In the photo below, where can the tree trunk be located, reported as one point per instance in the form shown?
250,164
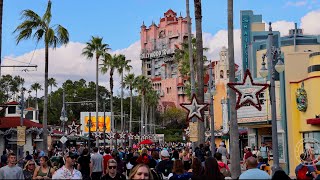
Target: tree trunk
50,94
142,114
200,73
130,124
234,132
111,103
154,119
37,107
122,102
146,119
150,120
97,99
45,104
1,12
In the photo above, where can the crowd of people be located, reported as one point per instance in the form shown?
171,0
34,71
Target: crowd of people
157,162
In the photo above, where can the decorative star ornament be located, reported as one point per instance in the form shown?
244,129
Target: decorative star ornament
248,91
131,136
122,135
194,108
97,135
112,135
73,128
137,137
207,134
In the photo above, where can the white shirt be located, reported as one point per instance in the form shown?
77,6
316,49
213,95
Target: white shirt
64,173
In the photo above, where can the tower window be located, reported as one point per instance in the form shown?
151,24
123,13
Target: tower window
221,74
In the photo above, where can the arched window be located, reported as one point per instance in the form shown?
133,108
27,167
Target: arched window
221,74
227,73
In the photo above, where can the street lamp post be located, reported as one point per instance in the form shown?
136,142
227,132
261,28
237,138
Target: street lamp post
89,125
63,119
211,92
104,121
273,54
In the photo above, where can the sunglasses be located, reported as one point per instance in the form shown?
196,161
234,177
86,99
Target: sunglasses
31,164
112,167
72,157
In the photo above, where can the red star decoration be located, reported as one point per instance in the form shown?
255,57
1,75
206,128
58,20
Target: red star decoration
194,108
248,91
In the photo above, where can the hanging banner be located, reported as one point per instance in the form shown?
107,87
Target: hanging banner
21,135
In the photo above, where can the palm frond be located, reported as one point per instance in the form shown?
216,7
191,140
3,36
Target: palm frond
24,34
62,34
38,35
47,15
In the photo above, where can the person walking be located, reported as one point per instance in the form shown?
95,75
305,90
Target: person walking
96,164
224,153
68,171
264,152
11,171
84,164
111,170
44,171
29,169
253,172
164,167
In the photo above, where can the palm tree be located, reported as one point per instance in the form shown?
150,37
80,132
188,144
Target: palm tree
36,87
110,63
234,132
200,74
1,12
152,98
123,65
143,84
52,82
130,83
52,36
95,47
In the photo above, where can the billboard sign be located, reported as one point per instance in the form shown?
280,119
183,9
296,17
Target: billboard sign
84,118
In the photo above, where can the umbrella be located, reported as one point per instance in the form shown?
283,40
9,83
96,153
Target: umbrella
147,141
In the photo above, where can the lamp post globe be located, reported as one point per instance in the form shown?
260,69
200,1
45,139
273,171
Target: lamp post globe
279,66
263,71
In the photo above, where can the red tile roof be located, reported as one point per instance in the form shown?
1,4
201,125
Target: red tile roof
12,103
179,84
12,122
170,11
156,79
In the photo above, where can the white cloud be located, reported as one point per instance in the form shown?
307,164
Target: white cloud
66,63
282,26
220,39
309,23
297,3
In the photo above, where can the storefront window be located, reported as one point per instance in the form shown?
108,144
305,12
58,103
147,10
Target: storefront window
311,140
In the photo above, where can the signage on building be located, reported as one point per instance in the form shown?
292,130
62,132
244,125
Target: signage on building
156,54
84,118
245,38
21,133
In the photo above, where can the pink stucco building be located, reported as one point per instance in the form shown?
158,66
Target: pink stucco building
158,43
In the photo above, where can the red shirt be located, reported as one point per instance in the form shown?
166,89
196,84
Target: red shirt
248,154
223,165
106,158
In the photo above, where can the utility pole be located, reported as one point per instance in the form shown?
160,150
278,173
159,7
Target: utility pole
234,131
20,147
211,91
192,80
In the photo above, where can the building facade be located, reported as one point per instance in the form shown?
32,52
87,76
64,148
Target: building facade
295,48
158,44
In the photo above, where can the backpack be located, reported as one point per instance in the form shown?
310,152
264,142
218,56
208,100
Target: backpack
303,173
224,170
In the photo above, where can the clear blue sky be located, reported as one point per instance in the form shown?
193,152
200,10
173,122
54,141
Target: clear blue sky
119,21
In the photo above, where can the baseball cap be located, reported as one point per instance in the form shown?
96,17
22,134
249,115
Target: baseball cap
164,153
